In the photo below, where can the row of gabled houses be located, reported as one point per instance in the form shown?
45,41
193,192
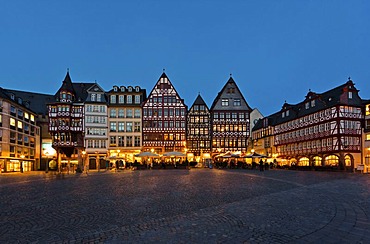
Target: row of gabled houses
82,124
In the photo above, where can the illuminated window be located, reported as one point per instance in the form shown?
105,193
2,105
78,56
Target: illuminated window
347,160
332,160
317,161
20,125
32,118
368,109
304,162
26,116
12,122
368,137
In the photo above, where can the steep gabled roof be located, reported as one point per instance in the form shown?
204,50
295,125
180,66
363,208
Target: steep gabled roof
223,92
167,86
199,101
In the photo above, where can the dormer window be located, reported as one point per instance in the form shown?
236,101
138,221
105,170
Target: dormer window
93,96
313,103
115,88
123,89
19,100
98,97
130,89
137,89
307,105
287,113
350,95
12,96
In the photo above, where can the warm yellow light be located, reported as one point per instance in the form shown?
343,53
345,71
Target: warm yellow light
83,152
152,150
22,156
252,150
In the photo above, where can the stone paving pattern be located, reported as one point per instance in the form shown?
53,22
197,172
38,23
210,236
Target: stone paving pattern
185,206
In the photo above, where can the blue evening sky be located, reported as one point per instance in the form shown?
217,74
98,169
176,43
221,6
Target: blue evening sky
275,50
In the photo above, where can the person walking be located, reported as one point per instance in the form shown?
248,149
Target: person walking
261,165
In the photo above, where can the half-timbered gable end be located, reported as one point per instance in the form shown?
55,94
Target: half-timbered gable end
230,115
199,129
164,118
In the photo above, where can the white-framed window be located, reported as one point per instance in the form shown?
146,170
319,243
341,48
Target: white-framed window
113,113
129,99
113,99
350,95
137,99
224,102
98,97
93,96
237,102
121,99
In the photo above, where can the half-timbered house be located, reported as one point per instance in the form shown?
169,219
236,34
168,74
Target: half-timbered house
66,123
322,130
164,119
230,115
198,134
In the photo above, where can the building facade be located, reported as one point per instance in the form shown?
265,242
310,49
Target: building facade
96,126
164,119
324,130
366,137
198,134
66,125
230,114
125,122
19,134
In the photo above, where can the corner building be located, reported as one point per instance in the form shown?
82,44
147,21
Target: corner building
324,130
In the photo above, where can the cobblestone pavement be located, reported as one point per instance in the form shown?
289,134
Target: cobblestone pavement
185,206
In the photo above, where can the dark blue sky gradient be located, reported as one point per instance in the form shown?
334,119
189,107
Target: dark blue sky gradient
275,50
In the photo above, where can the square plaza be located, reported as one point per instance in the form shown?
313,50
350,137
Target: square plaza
185,206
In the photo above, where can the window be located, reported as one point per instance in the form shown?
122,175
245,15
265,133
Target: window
129,99
20,125
12,122
113,126
121,99
137,113
113,113
137,141
113,99
237,102
350,95
129,113
93,96
313,103
129,126
367,109
307,105
224,102
137,127
121,126
121,113
120,141
137,99
128,141
98,97
112,140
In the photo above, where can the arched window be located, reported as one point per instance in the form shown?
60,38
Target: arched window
347,160
332,160
304,162
317,161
